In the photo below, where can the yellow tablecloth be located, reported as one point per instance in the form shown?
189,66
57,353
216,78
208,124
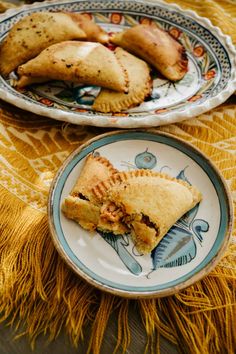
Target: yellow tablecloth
34,281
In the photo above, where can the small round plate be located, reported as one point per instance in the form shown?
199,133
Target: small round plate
190,249
210,80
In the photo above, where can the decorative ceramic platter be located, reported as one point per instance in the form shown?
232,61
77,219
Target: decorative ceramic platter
190,249
210,80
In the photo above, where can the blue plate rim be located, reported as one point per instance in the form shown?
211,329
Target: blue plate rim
67,254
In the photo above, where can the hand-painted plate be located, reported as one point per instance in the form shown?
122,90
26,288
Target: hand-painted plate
190,249
210,80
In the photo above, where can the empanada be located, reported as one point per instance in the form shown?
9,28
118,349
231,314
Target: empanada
139,85
144,203
37,31
156,47
82,205
82,62
148,203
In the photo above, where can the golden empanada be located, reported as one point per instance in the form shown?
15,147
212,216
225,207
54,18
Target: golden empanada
143,203
83,62
147,202
139,85
155,46
82,205
35,32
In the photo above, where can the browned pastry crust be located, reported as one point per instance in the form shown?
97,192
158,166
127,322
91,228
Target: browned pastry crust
155,46
144,203
147,202
84,212
95,170
81,205
84,62
35,32
139,85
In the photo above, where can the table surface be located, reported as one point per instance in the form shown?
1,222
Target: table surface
62,345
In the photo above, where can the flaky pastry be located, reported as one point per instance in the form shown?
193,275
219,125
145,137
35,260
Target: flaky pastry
139,85
82,205
147,202
83,62
35,32
143,203
156,47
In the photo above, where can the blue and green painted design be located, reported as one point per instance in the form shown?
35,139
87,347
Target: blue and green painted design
167,254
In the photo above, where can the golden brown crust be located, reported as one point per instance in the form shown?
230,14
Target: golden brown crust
139,88
82,211
84,62
81,205
100,190
32,34
95,169
156,47
149,203
144,203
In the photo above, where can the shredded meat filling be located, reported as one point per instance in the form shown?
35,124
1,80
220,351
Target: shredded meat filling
111,212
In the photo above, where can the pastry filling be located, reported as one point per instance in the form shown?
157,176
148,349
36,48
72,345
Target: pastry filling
111,212
142,228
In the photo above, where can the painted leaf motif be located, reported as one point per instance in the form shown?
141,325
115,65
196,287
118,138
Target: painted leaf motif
118,243
175,249
178,247
182,176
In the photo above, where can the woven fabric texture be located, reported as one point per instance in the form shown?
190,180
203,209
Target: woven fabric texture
35,282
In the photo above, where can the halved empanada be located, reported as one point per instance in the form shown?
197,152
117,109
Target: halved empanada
155,46
83,62
82,205
139,85
147,202
35,32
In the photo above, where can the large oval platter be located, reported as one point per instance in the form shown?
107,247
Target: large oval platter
210,80
190,249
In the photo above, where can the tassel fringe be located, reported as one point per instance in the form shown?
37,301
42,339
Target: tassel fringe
41,295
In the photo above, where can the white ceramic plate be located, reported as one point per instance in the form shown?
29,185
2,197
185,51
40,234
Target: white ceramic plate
210,80
191,248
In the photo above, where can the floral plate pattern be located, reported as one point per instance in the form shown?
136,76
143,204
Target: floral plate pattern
190,249
210,80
